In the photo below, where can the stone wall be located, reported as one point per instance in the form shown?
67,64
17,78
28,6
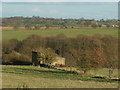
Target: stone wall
59,61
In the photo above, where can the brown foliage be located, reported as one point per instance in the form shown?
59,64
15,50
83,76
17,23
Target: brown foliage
88,51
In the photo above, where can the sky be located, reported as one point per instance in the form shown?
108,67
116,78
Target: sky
88,10
59,0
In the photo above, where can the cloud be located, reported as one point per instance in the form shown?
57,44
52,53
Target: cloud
36,9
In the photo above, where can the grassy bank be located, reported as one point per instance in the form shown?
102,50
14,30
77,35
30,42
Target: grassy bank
38,77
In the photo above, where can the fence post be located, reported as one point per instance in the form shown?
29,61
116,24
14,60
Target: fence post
110,73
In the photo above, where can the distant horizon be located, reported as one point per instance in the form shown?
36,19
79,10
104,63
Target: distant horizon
64,10
58,18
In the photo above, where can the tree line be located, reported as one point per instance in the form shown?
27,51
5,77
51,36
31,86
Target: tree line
83,52
41,21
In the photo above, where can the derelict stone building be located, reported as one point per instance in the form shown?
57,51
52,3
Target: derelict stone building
36,61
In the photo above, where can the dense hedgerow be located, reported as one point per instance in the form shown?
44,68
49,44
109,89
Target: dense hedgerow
88,51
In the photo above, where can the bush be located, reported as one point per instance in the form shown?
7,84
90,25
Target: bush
5,58
16,58
16,27
9,46
93,25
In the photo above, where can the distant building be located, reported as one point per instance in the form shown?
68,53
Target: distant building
115,26
57,61
34,58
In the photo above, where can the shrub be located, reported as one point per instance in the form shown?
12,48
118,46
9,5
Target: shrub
9,46
16,58
28,27
93,25
48,26
31,42
36,27
5,58
16,27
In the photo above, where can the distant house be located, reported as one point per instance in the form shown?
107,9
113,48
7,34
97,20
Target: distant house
115,26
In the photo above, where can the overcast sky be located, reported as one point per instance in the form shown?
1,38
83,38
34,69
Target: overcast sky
89,10
60,0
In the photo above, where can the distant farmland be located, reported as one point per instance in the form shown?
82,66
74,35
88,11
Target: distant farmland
22,34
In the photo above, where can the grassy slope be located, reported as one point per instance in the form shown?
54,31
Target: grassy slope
22,34
34,77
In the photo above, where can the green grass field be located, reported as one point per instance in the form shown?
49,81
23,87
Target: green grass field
101,72
22,34
38,77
